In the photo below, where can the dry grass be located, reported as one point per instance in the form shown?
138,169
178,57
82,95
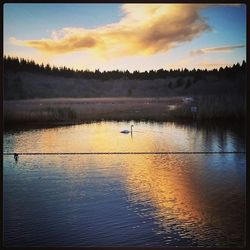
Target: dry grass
75,110
214,107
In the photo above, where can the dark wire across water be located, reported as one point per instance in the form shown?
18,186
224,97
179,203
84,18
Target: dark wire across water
128,153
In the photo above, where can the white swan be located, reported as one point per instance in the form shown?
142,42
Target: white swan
127,131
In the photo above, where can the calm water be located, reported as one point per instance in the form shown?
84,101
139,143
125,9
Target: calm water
124,200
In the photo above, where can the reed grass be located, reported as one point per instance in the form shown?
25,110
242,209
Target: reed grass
209,108
50,114
213,107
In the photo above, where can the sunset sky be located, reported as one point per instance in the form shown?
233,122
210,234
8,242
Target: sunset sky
127,36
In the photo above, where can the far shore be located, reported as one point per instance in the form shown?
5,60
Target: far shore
71,111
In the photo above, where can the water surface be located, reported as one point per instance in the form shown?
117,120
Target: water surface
125,200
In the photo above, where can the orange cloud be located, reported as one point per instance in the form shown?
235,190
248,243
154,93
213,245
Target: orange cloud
144,29
215,49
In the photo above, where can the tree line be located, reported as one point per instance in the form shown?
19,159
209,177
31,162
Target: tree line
15,64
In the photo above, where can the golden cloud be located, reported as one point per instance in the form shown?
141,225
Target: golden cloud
144,29
215,49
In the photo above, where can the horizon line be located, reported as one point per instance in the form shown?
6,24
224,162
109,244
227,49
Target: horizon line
102,71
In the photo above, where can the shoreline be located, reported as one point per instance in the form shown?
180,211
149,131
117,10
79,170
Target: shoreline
215,123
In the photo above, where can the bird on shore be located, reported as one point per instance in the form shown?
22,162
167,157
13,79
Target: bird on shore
16,157
127,131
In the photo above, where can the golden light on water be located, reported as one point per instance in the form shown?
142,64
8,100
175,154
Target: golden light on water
96,138
163,181
178,193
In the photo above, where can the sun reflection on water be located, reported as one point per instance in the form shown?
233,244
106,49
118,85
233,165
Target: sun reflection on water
188,195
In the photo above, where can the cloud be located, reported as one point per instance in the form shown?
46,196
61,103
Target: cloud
215,50
144,29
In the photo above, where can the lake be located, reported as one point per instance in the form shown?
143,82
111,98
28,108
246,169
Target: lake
125,200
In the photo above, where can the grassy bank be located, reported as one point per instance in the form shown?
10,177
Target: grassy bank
213,107
78,110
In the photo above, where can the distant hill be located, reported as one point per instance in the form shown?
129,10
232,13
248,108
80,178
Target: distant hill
26,80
